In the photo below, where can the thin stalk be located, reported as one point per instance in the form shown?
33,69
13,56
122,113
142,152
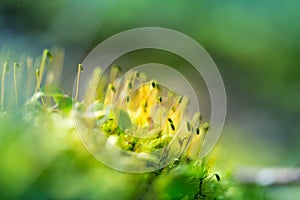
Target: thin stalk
37,76
16,66
30,78
93,84
46,54
79,70
5,66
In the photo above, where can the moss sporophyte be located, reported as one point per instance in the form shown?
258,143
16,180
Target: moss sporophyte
141,115
135,114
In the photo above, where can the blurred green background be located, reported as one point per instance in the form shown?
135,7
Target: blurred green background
255,45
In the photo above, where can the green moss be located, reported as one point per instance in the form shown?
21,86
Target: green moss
42,156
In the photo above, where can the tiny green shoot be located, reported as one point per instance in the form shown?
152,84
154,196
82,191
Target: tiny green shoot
46,54
79,70
4,71
16,66
37,76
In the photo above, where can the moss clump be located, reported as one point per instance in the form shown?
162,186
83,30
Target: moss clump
43,158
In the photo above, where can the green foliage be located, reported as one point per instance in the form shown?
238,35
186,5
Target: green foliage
190,181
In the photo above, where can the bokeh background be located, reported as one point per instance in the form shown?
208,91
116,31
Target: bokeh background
255,45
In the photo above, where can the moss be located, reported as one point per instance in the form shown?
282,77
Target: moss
43,158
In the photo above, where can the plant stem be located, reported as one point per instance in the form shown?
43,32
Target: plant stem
5,65
80,69
37,75
15,81
29,82
46,54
